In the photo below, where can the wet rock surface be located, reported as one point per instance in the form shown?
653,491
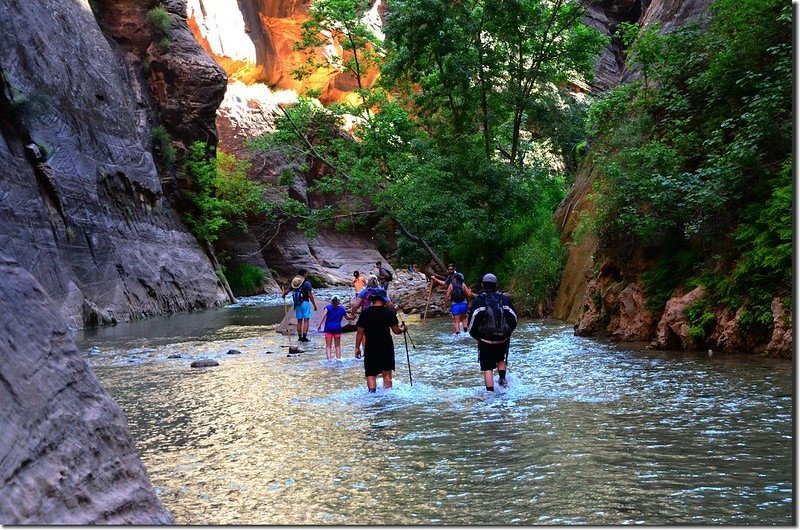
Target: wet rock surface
67,454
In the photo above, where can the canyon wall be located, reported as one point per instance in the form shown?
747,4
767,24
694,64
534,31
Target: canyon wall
82,207
602,296
66,454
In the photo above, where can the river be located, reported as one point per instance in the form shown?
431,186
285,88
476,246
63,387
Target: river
588,431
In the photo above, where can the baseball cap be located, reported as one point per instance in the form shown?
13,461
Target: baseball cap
489,278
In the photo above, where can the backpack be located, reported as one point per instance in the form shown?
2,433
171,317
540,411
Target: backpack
458,295
365,303
494,325
297,296
385,274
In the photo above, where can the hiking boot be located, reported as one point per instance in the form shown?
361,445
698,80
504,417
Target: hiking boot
503,383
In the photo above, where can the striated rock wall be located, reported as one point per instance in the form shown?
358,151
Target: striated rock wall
66,455
81,202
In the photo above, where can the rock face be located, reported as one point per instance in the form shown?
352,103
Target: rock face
82,204
67,455
253,40
607,15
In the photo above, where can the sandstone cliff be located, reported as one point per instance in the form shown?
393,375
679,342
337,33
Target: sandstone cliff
82,206
66,455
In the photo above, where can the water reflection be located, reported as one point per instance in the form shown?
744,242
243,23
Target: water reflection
587,432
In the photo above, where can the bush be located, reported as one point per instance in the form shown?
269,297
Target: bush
159,22
245,279
162,145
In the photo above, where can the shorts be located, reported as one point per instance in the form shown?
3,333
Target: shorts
459,308
491,354
303,310
375,363
332,335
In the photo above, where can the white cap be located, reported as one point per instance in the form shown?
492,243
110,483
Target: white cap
489,278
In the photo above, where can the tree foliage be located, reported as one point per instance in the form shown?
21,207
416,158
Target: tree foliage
696,154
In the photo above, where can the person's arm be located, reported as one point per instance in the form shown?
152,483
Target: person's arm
468,292
313,299
448,294
359,341
436,281
399,328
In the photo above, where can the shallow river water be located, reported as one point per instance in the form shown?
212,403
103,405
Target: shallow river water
588,432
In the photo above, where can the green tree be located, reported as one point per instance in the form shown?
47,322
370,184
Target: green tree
694,157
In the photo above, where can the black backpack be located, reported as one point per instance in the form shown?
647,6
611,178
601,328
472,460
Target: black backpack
458,295
385,274
494,325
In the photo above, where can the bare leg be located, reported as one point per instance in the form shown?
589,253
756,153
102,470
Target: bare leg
328,340
387,379
456,320
488,378
372,383
337,341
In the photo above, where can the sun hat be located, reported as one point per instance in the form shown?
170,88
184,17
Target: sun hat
379,294
297,281
489,278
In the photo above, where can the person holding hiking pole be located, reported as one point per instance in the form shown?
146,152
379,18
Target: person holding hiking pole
492,319
373,331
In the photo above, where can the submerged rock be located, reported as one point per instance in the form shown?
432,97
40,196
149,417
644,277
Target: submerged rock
204,363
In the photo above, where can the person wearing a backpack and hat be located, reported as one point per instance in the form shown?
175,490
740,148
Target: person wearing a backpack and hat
303,299
492,319
374,328
458,295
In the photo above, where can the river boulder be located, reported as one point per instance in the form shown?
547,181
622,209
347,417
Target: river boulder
67,457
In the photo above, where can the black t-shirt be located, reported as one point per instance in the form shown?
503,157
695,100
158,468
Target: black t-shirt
377,322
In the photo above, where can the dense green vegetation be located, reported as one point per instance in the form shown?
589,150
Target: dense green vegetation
451,152
245,278
696,158
452,147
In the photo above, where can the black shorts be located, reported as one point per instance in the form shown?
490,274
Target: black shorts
375,363
491,354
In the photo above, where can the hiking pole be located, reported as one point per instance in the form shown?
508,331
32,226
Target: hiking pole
405,338
401,315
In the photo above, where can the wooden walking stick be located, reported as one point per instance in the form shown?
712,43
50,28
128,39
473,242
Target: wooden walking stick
430,292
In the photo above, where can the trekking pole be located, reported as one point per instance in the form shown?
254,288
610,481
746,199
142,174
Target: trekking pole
405,338
409,335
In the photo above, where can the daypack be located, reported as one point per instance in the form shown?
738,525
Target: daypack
494,325
297,296
458,295
365,303
385,274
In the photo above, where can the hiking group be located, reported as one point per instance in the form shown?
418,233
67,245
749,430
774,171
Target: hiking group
490,319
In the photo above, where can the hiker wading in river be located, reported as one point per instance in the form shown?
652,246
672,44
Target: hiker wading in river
302,299
492,319
373,330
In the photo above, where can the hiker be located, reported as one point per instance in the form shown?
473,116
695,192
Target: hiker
492,319
451,271
373,331
361,300
359,283
458,295
303,299
332,318
384,275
